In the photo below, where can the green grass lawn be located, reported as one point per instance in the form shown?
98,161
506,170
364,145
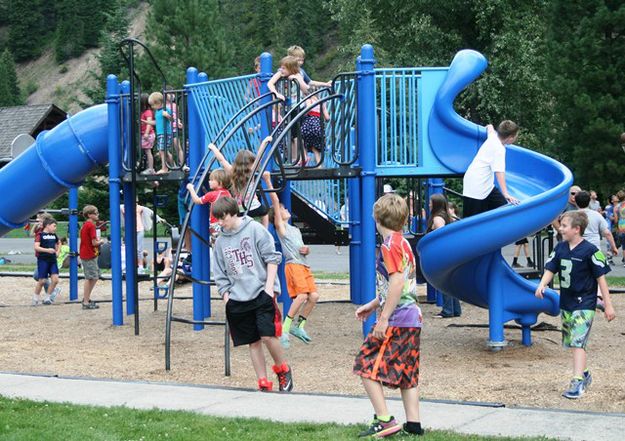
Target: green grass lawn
28,420
62,227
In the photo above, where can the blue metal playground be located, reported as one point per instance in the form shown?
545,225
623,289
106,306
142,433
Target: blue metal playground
390,122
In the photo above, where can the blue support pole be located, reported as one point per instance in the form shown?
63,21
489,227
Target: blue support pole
367,154
355,231
205,228
195,162
130,220
73,243
433,186
266,72
114,152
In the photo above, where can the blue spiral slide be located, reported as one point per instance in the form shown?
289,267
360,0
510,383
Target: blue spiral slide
58,160
464,259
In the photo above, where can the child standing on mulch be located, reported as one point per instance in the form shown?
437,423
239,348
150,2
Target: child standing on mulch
299,279
89,249
46,248
580,266
246,264
390,354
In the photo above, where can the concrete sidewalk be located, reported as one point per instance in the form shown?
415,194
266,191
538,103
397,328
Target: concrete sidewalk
208,400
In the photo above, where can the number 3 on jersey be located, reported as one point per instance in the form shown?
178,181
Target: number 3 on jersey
566,266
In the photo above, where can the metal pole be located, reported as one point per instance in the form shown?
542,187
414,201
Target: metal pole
114,140
73,243
367,155
204,226
195,159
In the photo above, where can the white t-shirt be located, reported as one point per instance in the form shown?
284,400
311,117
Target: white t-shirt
479,180
596,225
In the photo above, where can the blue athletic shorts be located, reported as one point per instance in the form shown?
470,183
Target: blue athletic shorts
164,142
45,268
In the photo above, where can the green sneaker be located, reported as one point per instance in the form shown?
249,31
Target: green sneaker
284,341
297,332
305,335
379,429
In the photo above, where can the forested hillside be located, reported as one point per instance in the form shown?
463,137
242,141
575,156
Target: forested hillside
556,66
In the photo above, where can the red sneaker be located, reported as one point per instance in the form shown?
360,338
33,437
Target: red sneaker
265,385
285,379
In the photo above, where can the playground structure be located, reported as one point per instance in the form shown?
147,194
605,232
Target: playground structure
385,123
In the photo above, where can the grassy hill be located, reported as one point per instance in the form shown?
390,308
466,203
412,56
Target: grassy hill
45,81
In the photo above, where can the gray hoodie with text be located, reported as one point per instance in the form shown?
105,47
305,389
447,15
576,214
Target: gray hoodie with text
241,257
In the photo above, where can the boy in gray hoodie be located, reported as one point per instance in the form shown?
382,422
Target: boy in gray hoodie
246,264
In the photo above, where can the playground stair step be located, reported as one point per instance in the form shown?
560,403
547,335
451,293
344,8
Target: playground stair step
320,173
173,175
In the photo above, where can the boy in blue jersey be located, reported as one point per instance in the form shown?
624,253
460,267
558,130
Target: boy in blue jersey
580,266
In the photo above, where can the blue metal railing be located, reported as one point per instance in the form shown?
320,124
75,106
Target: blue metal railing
218,101
398,123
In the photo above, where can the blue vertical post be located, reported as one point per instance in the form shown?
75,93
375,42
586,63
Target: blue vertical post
367,155
73,243
434,186
195,160
130,219
205,227
355,233
266,72
114,151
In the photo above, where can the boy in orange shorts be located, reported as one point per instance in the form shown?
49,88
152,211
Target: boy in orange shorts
300,281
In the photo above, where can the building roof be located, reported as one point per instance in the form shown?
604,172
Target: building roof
26,119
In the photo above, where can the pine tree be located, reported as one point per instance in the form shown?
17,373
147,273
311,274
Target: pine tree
587,74
69,39
26,29
13,95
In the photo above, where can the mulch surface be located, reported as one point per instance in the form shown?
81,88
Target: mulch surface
64,340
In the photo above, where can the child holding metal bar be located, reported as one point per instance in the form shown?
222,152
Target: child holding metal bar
299,279
240,173
218,182
164,132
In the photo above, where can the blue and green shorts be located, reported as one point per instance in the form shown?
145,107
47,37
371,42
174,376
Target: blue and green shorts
576,327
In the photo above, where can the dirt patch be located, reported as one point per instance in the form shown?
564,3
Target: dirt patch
65,340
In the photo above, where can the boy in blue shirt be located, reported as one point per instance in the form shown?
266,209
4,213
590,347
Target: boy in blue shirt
46,249
581,267
164,132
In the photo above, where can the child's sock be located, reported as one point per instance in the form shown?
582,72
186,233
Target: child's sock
286,326
384,418
302,322
412,427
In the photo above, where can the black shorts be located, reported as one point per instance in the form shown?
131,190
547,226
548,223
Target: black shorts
259,211
249,321
522,241
472,206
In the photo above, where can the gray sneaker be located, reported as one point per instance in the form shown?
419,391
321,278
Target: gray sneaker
47,301
36,300
90,305
587,379
576,389
55,294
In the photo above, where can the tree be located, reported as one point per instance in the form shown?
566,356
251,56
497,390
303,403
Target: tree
587,75
10,94
27,32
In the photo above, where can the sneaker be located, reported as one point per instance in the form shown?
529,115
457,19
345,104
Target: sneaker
36,300
148,171
297,332
285,378
587,379
90,305
530,264
46,300
441,315
380,429
55,294
412,431
516,265
284,341
575,390
265,385
305,335
610,261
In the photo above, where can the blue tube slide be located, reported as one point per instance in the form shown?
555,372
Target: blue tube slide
58,160
464,259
